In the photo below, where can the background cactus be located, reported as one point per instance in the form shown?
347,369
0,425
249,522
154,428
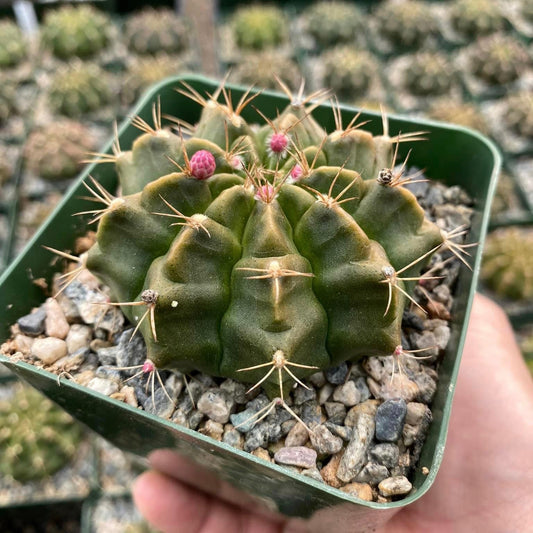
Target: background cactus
144,71
280,255
55,151
79,88
460,113
71,31
473,18
7,101
37,438
507,263
13,46
347,71
428,74
408,23
260,68
156,30
333,23
519,113
258,27
499,59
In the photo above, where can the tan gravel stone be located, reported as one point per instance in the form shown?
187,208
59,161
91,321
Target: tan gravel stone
49,349
362,491
55,324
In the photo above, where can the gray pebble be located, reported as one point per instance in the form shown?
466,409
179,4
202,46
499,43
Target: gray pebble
131,351
302,395
347,394
233,437
395,486
324,442
217,405
386,454
362,387
390,417
427,386
32,324
337,374
344,432
317,379
107,356
354,456
336,412
195,418
299,456
313,473
372,473
257,437
159,403
103,386
235,390
311,414
325,392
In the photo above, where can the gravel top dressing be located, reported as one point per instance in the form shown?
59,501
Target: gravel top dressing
359,427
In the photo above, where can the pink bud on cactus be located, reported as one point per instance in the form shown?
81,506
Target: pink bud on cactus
148,367
202,165
296,172
398,350
265,193
277,144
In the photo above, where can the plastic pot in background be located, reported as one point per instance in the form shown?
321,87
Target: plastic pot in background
454,155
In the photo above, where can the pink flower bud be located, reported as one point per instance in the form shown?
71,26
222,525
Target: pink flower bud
202,165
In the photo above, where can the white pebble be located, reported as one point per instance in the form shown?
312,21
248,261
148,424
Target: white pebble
56,324
49,349
78,337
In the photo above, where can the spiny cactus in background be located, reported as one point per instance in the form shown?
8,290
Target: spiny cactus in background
261,254
56,151
333,23
348,71
406,24
79,88
505,197
13,45
526,9
473,18
460,113
36,437
519,113
144,71
7,101
258,27
151,31
508,262
499,59
428,74
75,31
262,68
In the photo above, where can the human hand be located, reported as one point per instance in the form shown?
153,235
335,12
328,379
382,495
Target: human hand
483,483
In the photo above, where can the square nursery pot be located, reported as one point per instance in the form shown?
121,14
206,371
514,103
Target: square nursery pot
454,155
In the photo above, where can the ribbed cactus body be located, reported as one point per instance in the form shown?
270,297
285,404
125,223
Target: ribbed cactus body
13,45
269,263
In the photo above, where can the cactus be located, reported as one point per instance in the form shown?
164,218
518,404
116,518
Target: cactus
333,23
406,24
145,71
13,46
508,263
499,59
36,437
75,31
6,166
241,251
7,101
259,27
348,71
79,88
527,10
56,151
152,31
474,18
460,113
519,113
428,74
261,69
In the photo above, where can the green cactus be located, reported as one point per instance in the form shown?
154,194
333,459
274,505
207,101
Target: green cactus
258,27
348,71
428,74
13,46
277,253
499,59
79,88
333,23
519,113
56,151
261,69
152,31
407,24
527,10
473,18
144,71
508,262
460,113
75,31
36,437
7,101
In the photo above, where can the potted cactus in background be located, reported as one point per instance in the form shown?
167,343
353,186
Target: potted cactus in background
241,229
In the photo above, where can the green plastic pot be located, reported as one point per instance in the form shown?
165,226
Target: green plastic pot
454,155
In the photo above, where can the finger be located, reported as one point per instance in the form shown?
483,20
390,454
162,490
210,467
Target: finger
172,507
